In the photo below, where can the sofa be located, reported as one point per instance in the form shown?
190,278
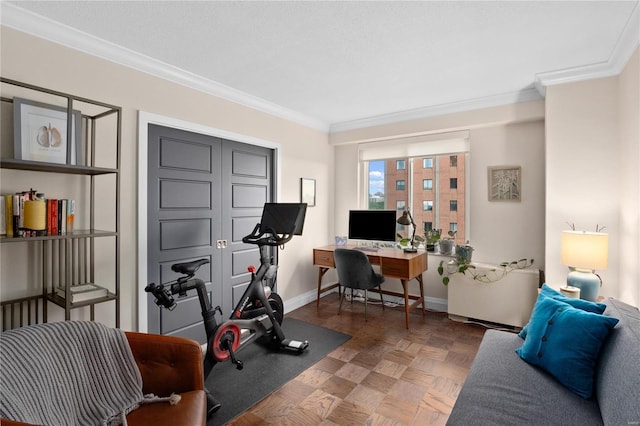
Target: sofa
168,365
504,389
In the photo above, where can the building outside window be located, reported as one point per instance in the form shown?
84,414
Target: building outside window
405,189
453,161
401,165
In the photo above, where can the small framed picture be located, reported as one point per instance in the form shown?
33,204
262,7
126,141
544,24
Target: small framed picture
40,133
308,191
505,183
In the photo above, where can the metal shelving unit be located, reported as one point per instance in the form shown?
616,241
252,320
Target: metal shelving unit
69,259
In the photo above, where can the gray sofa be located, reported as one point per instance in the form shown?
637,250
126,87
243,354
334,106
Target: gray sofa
502,389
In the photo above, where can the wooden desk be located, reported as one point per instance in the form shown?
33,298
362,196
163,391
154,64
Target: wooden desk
394,263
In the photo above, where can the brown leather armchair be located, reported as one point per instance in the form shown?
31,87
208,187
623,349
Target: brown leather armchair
167,364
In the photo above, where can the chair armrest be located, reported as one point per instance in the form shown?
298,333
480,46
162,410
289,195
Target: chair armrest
167,364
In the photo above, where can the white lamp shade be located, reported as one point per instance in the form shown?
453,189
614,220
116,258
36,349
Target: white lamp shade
585,250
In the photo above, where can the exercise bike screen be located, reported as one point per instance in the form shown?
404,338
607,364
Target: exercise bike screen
283,218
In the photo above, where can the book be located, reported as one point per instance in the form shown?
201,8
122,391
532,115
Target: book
71,212
62,218
52,213
3,221
8,213
83,292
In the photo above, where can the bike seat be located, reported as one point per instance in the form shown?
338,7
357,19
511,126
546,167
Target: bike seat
189,268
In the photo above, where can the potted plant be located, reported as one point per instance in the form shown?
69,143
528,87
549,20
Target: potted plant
460,265
432,236
446,245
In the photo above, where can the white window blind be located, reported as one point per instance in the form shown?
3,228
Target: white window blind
415,146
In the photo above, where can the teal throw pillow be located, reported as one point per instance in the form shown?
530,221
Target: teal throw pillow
566,342
585,305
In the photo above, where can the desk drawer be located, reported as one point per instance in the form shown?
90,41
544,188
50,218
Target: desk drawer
323,258
394,267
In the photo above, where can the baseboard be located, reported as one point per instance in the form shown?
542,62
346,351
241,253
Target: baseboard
431,303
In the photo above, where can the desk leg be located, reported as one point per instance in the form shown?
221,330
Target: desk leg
405,287
419,278
321,272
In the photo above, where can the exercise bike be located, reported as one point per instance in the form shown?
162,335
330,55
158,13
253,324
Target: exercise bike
259,312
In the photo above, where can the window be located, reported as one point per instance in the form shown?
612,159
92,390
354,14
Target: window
426,172
400,205
453,227
427,226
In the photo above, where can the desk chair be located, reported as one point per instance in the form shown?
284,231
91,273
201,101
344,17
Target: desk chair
355,272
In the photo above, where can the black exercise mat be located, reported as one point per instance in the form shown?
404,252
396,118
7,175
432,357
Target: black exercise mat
266,370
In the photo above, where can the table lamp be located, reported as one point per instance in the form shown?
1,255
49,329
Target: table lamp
583,253
407,219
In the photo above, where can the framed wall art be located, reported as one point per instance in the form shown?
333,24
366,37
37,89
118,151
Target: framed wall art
505,183
308,191
40,133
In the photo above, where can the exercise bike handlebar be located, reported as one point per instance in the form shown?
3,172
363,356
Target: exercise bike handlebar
266,238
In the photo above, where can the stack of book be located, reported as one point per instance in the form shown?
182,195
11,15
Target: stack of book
83,292
30,214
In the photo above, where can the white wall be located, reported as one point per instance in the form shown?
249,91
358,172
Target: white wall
592,173
305,153
499,231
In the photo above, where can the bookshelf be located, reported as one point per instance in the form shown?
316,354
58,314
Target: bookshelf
91,252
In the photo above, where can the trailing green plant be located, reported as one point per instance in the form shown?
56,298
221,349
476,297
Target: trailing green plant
459,265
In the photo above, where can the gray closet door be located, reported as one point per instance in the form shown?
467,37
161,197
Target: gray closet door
202,190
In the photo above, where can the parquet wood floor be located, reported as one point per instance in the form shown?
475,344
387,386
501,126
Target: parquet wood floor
384,375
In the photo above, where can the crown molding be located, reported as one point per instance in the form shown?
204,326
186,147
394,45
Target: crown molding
622,51
526,95
28,22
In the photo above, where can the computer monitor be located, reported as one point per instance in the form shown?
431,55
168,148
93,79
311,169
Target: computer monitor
372,225
283,218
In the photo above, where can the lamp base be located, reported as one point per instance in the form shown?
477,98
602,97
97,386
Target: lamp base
410,250
587,282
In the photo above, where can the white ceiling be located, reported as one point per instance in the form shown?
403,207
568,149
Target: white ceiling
342,64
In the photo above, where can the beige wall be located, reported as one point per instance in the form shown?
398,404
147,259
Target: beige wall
305,152
592,173
506,135
629,182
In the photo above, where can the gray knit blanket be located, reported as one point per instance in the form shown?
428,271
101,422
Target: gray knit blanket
68,373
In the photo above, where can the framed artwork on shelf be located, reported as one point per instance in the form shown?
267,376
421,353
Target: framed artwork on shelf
505,183
308,191
40,133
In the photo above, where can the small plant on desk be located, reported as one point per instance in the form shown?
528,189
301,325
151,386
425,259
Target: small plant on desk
460,265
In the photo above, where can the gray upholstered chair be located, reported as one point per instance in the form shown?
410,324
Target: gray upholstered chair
355,272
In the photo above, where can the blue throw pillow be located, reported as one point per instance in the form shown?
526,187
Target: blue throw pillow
585,305
566,342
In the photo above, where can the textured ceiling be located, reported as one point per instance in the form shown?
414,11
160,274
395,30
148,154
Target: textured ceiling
342,61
